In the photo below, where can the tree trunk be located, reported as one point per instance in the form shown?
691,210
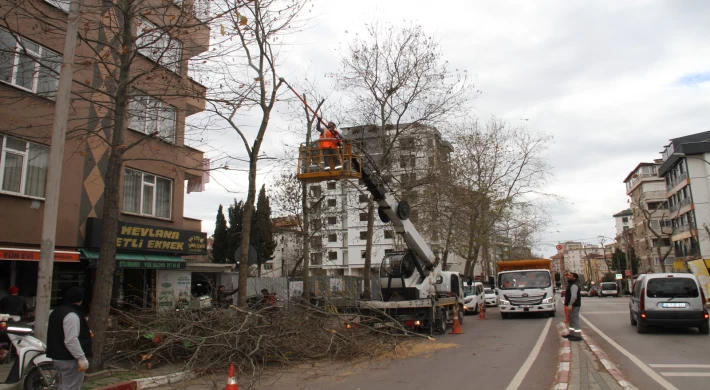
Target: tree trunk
474,261
103,285
485,268
306,242
469,253
447,244
662,259
366,281
246,232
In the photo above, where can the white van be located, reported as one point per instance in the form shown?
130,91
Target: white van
474,296
608,289
668,300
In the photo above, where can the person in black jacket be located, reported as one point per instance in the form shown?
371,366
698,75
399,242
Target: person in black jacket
573,301
14,304
69,340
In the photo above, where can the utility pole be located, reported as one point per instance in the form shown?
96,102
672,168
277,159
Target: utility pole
54,176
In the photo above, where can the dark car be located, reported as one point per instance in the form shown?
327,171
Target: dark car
594,292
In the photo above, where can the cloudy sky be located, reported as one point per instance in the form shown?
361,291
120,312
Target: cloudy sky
611,81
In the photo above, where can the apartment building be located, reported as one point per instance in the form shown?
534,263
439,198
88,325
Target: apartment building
650,217
158,167
685,170
574,255
342,215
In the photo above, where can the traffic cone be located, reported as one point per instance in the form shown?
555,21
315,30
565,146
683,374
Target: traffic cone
482,312
456,327
231,379
566,315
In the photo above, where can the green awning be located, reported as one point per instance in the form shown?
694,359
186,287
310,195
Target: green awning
139,260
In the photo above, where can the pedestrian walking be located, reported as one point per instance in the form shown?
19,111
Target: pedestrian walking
69,340
573,302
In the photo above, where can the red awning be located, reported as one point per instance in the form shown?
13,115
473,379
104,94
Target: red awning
25,254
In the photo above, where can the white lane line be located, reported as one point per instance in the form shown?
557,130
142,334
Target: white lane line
680,365
685,373
518,379
659,379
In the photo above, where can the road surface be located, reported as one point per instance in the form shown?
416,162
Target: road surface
661,359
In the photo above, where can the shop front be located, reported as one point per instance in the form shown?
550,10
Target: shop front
150,270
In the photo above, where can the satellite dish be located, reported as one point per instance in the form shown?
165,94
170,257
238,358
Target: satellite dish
251,257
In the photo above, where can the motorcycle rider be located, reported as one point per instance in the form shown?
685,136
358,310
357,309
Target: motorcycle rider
69,340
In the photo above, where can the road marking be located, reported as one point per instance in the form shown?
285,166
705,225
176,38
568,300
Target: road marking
606,312
680,365
518,379
659,379
685,373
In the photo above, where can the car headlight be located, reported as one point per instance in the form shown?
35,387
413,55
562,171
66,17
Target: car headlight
548,300
503,302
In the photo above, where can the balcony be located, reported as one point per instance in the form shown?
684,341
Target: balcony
682,177
678,206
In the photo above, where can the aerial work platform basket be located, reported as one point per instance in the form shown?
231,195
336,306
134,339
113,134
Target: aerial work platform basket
316,164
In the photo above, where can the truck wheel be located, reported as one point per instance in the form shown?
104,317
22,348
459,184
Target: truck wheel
460,314
641,328
440,323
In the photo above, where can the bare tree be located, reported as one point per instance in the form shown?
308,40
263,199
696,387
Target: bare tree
397,82
498,170
654,213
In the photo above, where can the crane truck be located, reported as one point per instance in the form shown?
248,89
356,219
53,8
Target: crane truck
416,292
525,286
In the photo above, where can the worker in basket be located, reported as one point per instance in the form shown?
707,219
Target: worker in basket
329,142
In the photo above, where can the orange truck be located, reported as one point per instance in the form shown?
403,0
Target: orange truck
525,286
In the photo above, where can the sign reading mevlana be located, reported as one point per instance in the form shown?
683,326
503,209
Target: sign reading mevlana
137,237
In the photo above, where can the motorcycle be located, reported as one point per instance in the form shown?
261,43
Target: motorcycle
32,369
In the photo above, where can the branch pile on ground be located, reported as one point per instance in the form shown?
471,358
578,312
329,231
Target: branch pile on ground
208,340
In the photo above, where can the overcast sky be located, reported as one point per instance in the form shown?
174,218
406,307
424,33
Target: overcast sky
612,81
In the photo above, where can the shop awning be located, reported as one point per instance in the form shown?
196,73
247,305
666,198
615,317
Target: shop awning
26,254
139,260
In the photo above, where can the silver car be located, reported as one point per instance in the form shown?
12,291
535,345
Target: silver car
668,300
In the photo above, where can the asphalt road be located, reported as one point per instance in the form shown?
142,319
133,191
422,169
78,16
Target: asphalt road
488,356
661,359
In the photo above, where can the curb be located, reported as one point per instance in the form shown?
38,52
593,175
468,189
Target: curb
565,359
150,382
608,365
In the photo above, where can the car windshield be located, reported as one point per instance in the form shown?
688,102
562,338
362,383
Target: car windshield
524,279
488,291
467,290
608,286
672,288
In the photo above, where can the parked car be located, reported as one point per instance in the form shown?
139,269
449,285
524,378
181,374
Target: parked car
474,296
594,292
584,293
490,296
671,300
609,289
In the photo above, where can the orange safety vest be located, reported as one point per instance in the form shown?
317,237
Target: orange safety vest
328,140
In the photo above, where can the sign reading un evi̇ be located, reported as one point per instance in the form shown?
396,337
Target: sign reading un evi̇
132,236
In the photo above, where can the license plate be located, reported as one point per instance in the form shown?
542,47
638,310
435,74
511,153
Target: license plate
673,304
383,325
526,306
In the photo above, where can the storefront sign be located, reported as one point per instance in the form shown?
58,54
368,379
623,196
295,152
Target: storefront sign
150,264
33,255
138,237
173,289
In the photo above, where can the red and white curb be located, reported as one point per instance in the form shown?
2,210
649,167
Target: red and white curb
565,360
148,383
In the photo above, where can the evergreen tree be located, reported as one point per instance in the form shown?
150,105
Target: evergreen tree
220,244
262,237
235,213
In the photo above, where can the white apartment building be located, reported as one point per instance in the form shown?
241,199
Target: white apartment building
343,213
623,221
686,168
651,223
574,254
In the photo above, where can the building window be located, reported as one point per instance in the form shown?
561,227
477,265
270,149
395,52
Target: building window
315,207
28,65
407,161
316,258
331,186
332,237
23,167
332,220
159,46
625,219
389,234
626,228
363,217
388,251
363,198
317,242
406,143
332,255
331,202
149,115
363,235
315,191
268,266
316,224
147,194
363,254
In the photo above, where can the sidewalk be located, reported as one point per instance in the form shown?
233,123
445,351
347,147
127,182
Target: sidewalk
584,366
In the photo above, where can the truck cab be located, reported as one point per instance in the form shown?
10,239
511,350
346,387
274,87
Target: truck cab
525,288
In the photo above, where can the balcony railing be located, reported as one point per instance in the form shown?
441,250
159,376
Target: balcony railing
684,228
679,205
679,179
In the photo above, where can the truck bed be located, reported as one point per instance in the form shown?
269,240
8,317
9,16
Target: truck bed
381,305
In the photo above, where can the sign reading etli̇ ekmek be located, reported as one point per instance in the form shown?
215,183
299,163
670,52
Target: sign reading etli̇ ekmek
137,237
